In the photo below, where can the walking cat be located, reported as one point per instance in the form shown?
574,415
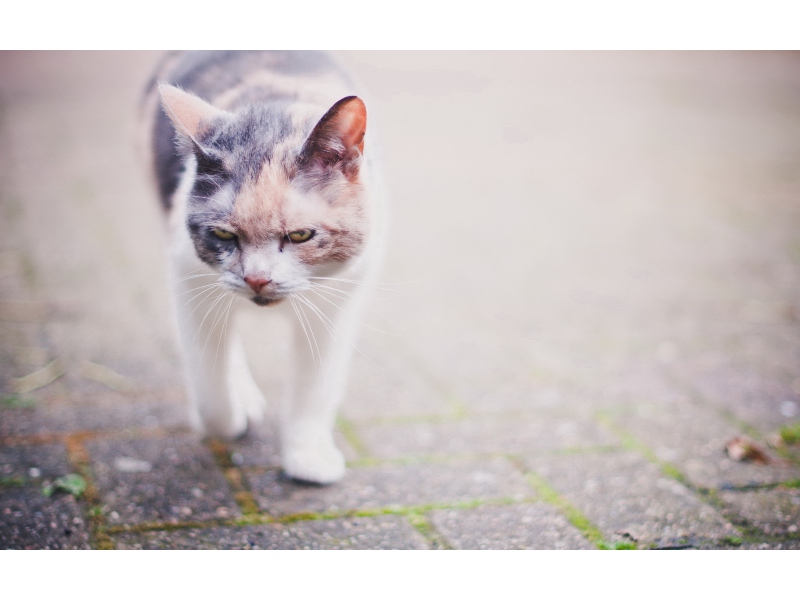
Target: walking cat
263,167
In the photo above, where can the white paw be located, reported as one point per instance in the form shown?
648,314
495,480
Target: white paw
318,463
249,398
228,427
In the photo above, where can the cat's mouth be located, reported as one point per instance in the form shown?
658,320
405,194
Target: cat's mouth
261,301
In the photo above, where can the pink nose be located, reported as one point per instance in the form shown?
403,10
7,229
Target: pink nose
256,284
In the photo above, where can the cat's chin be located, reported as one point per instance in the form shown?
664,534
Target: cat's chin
265,301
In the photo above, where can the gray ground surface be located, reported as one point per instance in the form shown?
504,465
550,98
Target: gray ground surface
592,286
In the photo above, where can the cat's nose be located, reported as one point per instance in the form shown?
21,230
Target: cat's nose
256,284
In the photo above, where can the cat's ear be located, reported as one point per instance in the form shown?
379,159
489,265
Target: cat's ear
337,141
188,113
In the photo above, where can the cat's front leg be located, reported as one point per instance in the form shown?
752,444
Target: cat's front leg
324,333
204,310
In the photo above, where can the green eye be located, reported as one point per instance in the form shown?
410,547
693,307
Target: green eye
223,235
301,235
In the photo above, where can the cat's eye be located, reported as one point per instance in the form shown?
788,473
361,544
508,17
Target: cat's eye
223,235
301,235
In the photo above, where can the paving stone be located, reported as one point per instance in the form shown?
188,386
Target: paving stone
34,464
28,520
693,438
629,498
386,532
787,545
774,511
383,384
752,397
514,527
640,383
169,480
106,410
392,486
485,435
522,392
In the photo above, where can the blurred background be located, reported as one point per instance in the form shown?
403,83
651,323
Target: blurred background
572,234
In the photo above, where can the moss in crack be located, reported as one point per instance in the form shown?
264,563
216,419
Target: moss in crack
81,462
12,481
349,433
243,497
790,434
17,401
572,513
422,524
618,546
631,443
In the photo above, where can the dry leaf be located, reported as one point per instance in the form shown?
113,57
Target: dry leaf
742,448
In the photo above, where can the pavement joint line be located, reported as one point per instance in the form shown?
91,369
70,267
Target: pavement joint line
631,443
699,397
233,475
414,459
421,522
348,430
573,514
264,518
81,461
172,526
709,495
749,532
507,415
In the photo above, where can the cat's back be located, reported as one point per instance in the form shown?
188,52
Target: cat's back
304,81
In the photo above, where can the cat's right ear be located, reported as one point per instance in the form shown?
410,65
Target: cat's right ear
188,113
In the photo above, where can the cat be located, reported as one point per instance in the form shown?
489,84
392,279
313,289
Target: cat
263,166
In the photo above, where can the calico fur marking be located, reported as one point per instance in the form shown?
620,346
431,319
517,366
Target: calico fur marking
268,189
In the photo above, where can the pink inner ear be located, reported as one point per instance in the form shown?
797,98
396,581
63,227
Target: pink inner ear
351,123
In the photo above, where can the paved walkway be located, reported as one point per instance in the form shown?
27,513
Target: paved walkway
592,287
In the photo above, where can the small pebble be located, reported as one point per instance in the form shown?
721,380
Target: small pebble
788,408
126,464
34,473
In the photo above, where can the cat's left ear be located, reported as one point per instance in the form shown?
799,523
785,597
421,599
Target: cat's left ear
337,141
188,113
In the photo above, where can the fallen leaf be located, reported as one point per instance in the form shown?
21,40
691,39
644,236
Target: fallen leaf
72,484
742,448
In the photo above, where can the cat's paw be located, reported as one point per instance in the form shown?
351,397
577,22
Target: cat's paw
230,427
318,463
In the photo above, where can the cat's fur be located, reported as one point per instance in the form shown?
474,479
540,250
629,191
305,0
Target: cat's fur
269,147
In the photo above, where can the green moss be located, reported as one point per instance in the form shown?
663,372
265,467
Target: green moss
618,546
421,523
572,513
631,443
16,401
72,484
732,540
12,481
349,433
791,433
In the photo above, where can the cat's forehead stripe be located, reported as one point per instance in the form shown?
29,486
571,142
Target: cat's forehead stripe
257,208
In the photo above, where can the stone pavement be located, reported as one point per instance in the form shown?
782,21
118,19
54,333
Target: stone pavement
592,286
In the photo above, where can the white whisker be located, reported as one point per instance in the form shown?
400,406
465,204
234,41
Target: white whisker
302,324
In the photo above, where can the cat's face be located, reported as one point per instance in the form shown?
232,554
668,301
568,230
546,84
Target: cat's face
271,204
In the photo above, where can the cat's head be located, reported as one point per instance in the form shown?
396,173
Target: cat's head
277,195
